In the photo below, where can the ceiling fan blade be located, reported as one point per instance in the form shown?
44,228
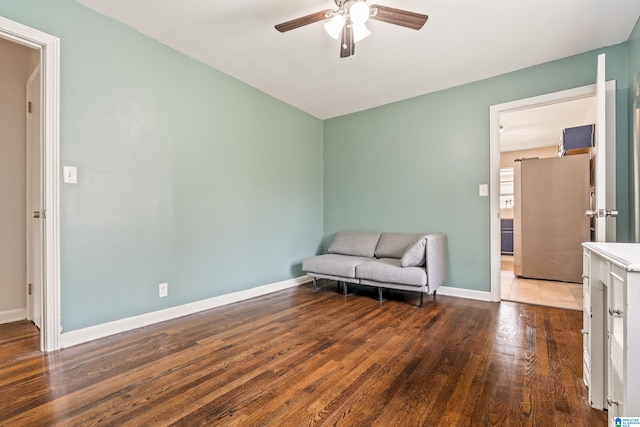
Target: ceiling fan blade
404,18
347,45
304,20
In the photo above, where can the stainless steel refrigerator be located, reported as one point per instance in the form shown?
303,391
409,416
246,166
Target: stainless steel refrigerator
550,199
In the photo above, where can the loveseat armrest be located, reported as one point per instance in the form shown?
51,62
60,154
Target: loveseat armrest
436,260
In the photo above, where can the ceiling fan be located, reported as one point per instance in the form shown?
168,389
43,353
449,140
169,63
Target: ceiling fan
348,21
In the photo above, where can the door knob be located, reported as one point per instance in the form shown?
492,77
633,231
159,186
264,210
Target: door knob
601,213
612,402
615,312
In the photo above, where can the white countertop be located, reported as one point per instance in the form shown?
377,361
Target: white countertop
624,255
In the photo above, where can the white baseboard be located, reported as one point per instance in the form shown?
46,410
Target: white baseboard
9,316
464,293
79,336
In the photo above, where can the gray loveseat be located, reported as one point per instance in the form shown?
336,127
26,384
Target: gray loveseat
406,261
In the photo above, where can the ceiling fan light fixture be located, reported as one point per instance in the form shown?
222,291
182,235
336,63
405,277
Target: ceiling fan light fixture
360,31
359,12
334,26
347,21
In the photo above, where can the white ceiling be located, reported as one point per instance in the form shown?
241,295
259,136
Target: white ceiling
463,41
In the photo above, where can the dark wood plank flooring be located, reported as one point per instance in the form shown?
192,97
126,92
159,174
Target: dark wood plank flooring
302,358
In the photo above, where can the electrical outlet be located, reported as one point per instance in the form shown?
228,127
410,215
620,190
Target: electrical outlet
163,289
483,190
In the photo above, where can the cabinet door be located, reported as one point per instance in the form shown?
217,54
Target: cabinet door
598,277
617,374
586,319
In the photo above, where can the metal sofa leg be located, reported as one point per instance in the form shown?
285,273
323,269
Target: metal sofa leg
379,294
315,284
344,288
422,299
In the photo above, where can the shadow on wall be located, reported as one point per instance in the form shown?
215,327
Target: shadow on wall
326,241
296,268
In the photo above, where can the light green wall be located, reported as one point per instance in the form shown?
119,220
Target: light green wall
191,177
416,165
186,175
634,102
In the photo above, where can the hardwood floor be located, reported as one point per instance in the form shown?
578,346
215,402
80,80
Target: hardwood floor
299,358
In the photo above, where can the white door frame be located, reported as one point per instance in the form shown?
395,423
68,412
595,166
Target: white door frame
49,48
494,162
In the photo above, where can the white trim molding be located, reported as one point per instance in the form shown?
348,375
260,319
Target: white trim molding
463,293
80,336
49,47
16,315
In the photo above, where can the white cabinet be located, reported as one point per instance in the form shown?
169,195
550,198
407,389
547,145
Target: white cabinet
586,319
611,281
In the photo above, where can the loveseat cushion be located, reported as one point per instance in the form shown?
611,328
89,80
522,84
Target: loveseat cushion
388,270
394,245
414,256
356,243
334,265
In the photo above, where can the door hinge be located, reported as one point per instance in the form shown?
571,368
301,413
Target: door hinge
29,289
29,106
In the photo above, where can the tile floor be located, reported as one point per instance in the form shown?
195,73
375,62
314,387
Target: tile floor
541,292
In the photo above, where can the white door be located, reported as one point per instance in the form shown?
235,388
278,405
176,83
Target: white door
34,200
605,189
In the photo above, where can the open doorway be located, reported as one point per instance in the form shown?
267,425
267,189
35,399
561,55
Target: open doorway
536,135
17,65
20,174
44,165
605,171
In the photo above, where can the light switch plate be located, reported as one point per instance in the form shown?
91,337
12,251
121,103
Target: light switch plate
483,190
163,289
70,175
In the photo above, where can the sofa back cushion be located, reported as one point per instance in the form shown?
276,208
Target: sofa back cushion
394,245
356,243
